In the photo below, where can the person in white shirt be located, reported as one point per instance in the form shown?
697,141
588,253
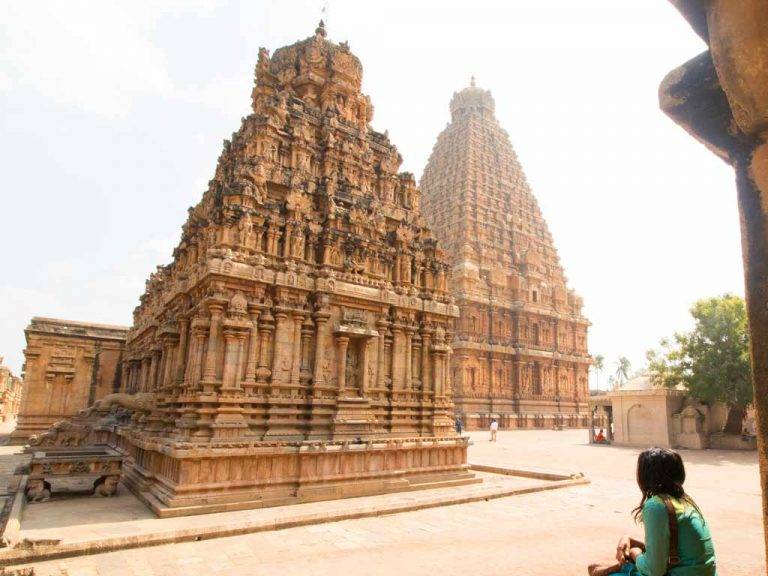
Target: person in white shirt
494,429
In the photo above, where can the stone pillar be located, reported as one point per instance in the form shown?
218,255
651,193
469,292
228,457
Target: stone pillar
266,325
168,364
230,359
298,319
146,366
381,367
280,350
253,347
181,360
209,370
152,371
196,362
416,374
408,382
428,383
393,372
341,363
321,320
448,391
307,329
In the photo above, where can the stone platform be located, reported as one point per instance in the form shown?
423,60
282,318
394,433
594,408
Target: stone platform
177,479
123,522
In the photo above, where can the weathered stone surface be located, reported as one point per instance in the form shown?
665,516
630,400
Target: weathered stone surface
520,350
69,365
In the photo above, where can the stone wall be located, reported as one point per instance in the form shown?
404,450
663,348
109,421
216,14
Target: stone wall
68,366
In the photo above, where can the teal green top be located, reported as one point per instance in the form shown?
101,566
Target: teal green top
697,554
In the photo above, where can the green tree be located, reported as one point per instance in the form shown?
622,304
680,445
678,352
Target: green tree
623,366
712,360
598,363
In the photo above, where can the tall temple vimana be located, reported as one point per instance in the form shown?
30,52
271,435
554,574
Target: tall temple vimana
298,345
520,349
305,342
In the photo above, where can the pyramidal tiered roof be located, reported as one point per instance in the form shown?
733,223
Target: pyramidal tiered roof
521,340
481,208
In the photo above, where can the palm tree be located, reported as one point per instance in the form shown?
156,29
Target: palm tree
598,363
623,365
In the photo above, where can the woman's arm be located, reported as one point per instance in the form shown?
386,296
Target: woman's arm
626,543
653,561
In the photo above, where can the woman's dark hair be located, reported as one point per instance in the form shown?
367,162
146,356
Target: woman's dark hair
660,471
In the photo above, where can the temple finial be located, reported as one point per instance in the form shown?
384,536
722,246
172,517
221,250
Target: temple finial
472,81
320,30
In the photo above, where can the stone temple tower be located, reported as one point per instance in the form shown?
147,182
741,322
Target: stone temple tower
296,348
520,350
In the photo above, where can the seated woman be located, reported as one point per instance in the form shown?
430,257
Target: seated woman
600,438
677,539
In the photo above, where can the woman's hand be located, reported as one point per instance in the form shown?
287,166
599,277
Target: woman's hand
622,548
634,553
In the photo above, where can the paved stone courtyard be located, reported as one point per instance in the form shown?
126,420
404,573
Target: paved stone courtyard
547,532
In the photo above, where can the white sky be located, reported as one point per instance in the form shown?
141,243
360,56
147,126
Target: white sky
112,117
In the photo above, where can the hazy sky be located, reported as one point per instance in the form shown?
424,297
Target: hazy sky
112,117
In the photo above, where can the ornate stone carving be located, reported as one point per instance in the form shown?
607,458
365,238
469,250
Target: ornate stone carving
246,345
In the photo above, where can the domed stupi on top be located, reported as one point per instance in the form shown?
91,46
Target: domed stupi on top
296,348
520,351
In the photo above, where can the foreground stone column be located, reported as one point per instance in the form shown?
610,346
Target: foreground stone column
721,98
209,372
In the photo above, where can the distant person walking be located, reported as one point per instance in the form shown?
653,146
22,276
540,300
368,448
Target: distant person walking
494,429
459,426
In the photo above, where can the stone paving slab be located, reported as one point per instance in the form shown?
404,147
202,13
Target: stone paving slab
96,525
549,532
